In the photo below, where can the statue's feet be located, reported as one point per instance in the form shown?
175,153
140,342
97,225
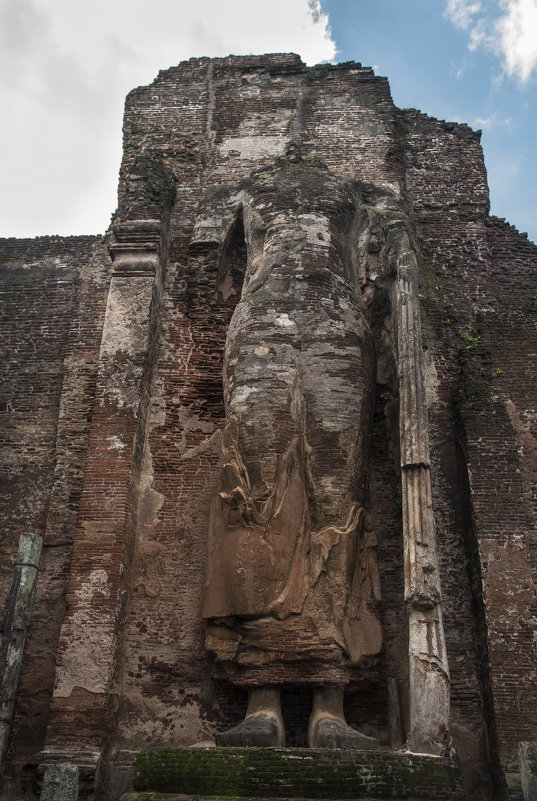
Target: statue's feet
261,729
329,732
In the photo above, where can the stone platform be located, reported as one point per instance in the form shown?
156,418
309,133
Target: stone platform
296,773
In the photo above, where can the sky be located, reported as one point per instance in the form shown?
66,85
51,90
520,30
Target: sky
66,66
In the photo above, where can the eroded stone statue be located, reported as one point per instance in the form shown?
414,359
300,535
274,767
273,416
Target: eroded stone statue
292,584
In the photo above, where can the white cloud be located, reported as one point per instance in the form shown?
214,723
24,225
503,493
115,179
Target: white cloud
480,35
462,12
66,66
493,121
517,37
510,31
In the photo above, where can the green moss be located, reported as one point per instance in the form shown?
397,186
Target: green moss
471,339
298,773
434,315
427,288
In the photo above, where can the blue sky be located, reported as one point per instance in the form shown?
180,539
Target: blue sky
447,60
66,66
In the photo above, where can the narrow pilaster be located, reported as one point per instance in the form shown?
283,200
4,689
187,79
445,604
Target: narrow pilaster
105,537
429,674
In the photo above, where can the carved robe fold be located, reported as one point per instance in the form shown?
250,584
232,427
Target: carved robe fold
292,585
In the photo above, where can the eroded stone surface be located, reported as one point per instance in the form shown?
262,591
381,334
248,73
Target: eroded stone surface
140,479
291,558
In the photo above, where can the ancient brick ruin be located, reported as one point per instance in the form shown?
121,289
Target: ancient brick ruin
113,418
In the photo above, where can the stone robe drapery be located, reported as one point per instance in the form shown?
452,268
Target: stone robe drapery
292,586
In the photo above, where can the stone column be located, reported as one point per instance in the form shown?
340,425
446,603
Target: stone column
429,675
15,624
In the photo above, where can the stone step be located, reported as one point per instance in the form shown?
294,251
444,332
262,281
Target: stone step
133,796
296,773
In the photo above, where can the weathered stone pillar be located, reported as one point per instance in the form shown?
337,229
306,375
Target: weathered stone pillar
104,543
15,623
527,758
429,675
105,539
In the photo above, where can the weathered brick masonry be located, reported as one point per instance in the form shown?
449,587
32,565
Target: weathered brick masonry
112,412
54,294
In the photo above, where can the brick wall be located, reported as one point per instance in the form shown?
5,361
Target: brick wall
53,290
130,484
478,295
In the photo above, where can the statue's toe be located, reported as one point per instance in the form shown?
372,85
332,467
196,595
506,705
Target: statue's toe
332,733
261,730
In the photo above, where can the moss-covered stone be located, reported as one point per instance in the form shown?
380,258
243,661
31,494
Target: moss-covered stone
183,797
295,773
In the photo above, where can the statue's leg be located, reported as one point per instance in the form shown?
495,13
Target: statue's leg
263,723
327,726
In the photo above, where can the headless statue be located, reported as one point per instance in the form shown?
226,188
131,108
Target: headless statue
292,585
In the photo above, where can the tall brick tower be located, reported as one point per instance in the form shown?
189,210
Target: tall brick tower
113,417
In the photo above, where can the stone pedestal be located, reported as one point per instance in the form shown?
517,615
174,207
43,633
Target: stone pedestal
64,776
294,773
60,782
